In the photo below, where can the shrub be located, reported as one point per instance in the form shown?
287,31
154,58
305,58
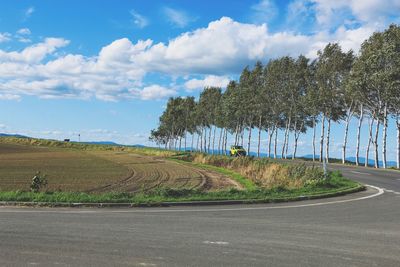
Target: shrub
38,182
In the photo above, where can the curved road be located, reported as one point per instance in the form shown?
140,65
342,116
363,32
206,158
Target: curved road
361,229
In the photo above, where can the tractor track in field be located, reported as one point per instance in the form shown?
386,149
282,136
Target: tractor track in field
147,173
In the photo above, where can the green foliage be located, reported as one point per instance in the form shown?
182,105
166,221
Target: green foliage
38,182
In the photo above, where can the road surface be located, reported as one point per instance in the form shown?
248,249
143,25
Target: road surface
361,229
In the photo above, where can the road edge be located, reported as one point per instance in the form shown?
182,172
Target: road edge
347,191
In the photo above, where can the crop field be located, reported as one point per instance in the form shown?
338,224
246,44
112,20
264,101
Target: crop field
72,170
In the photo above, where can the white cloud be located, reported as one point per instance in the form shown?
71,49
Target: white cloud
28,12
138,19
264,11
120,68
177,17
332,14
154,92
208,81
24,31
5,37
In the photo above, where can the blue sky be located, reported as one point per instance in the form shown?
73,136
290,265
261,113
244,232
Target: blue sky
105,68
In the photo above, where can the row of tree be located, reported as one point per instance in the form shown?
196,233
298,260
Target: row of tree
290,96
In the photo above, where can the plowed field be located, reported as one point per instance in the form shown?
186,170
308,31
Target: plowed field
100,171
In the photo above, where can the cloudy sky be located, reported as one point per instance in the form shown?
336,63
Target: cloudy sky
105,68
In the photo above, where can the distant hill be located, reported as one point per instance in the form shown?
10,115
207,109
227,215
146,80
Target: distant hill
13,135
109,143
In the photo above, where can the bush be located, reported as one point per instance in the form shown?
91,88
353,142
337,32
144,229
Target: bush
38,182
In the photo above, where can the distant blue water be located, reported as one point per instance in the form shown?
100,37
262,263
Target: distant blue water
309,156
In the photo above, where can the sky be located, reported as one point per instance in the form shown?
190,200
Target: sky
105,69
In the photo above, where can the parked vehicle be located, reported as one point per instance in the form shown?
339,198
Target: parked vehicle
237,151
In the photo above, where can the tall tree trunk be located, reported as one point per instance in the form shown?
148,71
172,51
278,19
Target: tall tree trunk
284,140
249,142
215,129
398,141
259,137
371,124
236,134
191,147
376,143
201,139
226,141
219,140
313,139
241,136
346,131
180,143
328,133
205,140
209,139
185,139
275,142
287,139
198,141
359,134
295,141
270,133
384,136
321,142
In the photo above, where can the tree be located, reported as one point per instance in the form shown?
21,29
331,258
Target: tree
333,67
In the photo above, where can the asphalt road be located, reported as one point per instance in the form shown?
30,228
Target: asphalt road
361,229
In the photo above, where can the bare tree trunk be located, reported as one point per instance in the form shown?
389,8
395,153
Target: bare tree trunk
270,132
191,147
219,140
295,140
287,139
313,140
185,139
236,134
371,124
346,131
275,142
321,145
226,141
284,139
215,129
384,136
198,141
358,135
259,137
180,143
241,136
209,140
328,133
376,143
201,139
398,141
249,142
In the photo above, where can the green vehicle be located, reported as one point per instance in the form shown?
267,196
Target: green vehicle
237,151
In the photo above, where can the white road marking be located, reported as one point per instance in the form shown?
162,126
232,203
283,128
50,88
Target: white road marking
363,173
166,210
216,242
390,191
397,193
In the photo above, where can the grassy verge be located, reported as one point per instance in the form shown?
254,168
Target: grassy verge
335,184
246,183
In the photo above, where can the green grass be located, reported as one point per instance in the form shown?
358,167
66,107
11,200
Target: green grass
335,184
246,183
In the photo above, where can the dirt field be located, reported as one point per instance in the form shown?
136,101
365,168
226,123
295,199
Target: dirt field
100,171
